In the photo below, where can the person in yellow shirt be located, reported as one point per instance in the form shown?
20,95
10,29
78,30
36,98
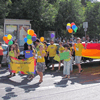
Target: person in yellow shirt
41,62
12,53
61,49
46,56
78,53
52,52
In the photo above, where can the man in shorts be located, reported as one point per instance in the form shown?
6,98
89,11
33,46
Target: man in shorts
52,52
78,53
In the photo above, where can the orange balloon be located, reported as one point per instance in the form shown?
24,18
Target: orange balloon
70,30
5,38
31,32
42,39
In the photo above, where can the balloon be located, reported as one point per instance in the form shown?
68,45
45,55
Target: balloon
69,24
73,27
29,37
9,37
7,41
75,30
5,35
25,39
29,41
72,24
42,39
10,42
70,30
35,35
52,35
31,32
68,27
33,38
28,31
5,38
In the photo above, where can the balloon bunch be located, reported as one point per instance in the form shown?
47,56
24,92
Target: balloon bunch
31,36
8,39
71,27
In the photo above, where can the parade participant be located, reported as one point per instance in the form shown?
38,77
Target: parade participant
41,62
30,48
1,54
38,43
61,49
66,70
78,53
16,47
52,52
46,56
12,53
72,54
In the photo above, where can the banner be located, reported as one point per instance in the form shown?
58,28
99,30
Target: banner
92,50
64,55
57,58
23,66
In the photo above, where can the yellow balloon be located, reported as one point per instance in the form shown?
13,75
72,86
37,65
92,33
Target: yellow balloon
69,24
29,41
9,37
28,31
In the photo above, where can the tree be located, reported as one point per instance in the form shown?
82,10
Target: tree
93,18
69,11
41,13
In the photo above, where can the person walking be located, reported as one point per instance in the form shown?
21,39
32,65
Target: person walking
78,53
1,54
41,62
66,69
12,53
61,49
52,52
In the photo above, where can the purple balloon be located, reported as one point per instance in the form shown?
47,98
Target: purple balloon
33,38
52,35
68,27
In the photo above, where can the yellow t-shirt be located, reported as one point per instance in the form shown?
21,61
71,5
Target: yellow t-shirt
11,54
79,48
52,50
61,49
40,59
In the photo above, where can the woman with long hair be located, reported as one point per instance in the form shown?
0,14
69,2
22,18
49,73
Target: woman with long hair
11,53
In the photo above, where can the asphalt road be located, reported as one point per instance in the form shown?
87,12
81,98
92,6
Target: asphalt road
85,86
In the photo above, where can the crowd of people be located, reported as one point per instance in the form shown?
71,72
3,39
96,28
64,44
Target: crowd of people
43,52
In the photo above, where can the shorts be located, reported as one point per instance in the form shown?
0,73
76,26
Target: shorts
77,59
40,66
1,57
52,61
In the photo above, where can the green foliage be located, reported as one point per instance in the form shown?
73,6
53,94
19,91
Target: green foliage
53,15
93,18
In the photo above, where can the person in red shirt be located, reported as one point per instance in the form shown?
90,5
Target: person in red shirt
1,54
